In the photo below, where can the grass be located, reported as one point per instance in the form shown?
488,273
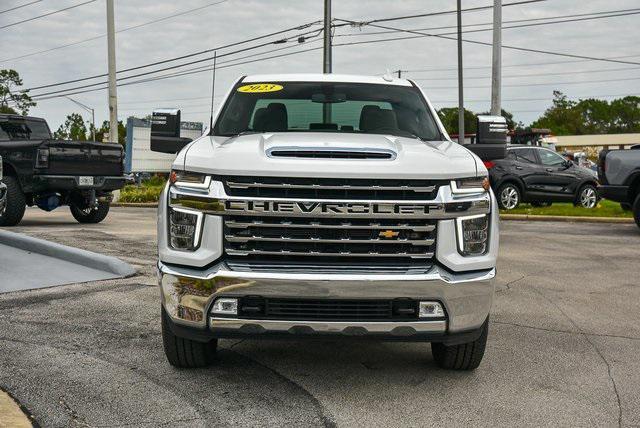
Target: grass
148,192
604,209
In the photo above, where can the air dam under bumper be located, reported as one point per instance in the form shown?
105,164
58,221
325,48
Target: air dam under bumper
188,295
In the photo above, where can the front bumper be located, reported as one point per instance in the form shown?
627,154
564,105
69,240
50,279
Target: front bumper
188,295
614,193
71,182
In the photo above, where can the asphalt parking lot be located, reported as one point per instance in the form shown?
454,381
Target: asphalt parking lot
563,346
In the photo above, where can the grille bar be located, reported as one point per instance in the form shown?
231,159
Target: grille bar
234,252
318,225
249,185
231,238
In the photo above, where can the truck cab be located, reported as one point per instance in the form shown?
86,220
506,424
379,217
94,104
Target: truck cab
325,205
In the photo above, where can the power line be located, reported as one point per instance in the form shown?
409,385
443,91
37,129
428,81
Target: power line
527,64
446,12
190,55
19,6
518,48
511,76
159,70
153,79
520,85
579,97
164,18
560,20
46,14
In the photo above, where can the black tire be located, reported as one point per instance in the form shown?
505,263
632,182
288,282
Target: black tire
185,353
541,204
95,215
593,199
509,196
16,202
636,209
625,206
466,356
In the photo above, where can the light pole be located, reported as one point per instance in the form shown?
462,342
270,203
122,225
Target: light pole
93,117
496,62
111,57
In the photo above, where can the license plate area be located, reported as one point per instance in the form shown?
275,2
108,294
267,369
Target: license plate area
85,181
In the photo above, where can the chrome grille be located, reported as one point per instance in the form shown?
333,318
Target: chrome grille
332,188
329,239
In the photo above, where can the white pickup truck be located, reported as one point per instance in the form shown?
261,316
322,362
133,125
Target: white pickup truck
325,205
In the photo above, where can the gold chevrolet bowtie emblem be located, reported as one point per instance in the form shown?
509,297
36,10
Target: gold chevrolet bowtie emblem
389,234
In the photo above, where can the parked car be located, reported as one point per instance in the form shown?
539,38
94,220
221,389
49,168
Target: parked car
619,172
40,171
3,191
540,176
325,205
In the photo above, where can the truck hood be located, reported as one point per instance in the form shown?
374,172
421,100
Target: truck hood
249,155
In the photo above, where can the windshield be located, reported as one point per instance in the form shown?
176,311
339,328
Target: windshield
327,107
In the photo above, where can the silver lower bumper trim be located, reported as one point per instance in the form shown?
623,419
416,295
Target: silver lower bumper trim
351,328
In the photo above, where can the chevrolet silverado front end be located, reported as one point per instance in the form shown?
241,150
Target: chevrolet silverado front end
327,205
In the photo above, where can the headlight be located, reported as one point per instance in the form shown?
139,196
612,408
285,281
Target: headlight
473,234
189,179
470,185
184,229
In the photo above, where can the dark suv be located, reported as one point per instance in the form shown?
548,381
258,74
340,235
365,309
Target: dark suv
540,176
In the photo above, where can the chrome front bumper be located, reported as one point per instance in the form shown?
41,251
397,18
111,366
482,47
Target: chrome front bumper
188,294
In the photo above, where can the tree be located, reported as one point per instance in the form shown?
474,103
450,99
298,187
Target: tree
103,132
21,102
72,129
590,116
449,118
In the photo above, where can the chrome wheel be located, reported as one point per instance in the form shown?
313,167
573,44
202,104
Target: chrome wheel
509,197
588,197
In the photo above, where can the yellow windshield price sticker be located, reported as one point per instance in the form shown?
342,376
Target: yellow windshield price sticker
260,87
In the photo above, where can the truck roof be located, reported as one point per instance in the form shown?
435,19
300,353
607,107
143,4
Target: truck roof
10,116
319,77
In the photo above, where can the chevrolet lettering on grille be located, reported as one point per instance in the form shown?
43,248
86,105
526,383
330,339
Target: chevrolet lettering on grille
328,208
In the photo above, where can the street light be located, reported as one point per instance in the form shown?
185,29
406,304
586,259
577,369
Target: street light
93,116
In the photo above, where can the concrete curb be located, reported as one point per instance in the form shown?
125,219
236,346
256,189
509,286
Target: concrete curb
12,414
573,219
70,254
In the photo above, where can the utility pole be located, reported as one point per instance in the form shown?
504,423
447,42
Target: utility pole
399,74
326,60
496,61
460,83
113,92
93,116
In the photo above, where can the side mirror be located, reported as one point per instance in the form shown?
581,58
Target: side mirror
491,138
165,132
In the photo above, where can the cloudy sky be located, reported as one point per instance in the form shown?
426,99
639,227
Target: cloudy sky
530,77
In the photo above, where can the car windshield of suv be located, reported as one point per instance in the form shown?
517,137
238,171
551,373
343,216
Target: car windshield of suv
327,107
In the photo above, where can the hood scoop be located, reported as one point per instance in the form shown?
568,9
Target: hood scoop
331,153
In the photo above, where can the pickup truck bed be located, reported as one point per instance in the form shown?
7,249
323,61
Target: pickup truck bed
49,173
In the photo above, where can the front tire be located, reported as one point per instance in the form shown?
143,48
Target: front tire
16,203
587,197
509,196
185,353
466,356
90,215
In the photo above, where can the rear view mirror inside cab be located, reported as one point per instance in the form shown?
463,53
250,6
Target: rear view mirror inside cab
329,98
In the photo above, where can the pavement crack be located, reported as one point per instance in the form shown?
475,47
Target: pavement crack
76,419
612,336
508,285
593,345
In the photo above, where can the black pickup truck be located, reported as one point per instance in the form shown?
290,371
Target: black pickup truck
47,173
